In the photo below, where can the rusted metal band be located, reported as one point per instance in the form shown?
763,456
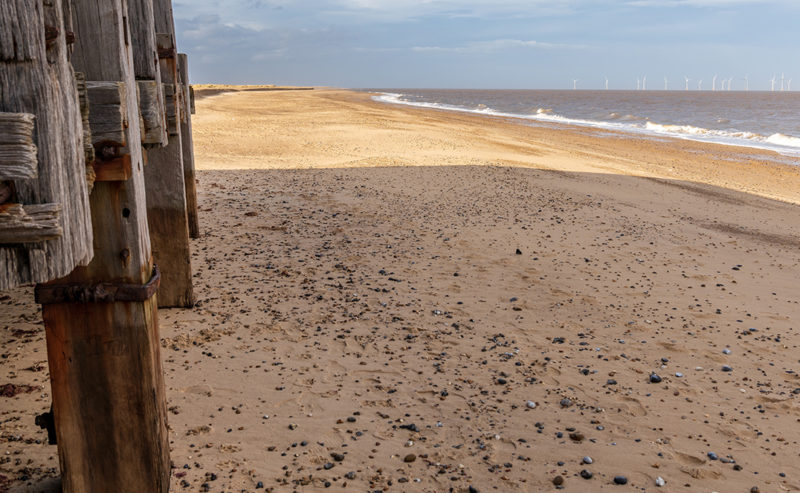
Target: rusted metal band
104,292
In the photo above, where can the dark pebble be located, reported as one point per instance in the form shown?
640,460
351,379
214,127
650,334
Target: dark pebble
566,402
586,474
712,456
655,378
350,475
337,456
501,381
620,480
410,458
328,465
558,480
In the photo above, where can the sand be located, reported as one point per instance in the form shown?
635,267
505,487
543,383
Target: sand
398,299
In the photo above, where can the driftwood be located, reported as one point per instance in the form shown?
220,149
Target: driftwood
36,78
18,159
29,224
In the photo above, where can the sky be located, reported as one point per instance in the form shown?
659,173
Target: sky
484,44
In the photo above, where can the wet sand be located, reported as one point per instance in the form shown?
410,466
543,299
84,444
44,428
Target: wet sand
411,300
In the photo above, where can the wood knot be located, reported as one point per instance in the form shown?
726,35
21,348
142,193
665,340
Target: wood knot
51,33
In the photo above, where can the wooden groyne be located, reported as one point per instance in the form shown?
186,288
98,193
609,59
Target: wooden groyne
97,201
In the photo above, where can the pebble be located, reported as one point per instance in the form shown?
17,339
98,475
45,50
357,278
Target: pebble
410,458
566,402
726,368
712,456
660,482
655,378
726,351
558,480
586,474
620,480
337,456
530,405
587,460
350,475
679,374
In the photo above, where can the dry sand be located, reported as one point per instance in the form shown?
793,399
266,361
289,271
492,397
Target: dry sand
383,290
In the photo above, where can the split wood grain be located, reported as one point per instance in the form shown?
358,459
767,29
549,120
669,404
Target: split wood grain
18,160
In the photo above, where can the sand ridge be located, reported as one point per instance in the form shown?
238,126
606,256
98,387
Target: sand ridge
404,300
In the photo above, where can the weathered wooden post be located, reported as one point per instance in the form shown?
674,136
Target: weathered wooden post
152,108
188,146
166,190
101,320
45,229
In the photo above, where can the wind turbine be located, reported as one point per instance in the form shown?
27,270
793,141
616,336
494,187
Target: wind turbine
714,83
644,83
575,84
638,84
686,77
772,81
606,78
730,82
783,77
789,85
746,83
666,84
700,85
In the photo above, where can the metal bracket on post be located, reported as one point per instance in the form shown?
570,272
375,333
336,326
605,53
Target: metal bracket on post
104,292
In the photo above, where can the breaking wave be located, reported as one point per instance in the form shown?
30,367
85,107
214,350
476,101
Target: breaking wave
783,144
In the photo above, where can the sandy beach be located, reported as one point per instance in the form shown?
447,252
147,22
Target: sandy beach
400,299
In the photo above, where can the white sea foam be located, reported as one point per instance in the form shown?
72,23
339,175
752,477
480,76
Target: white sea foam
783,144
784,140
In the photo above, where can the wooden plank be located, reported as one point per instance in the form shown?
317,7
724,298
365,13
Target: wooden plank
30,223
191,100
118,169
152,112
189,176
108,112
18,160
36,78
166,187
108,388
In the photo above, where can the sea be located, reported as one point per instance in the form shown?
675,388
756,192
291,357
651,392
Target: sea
755,119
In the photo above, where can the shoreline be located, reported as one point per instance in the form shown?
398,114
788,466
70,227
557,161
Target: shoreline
787,155
757,171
